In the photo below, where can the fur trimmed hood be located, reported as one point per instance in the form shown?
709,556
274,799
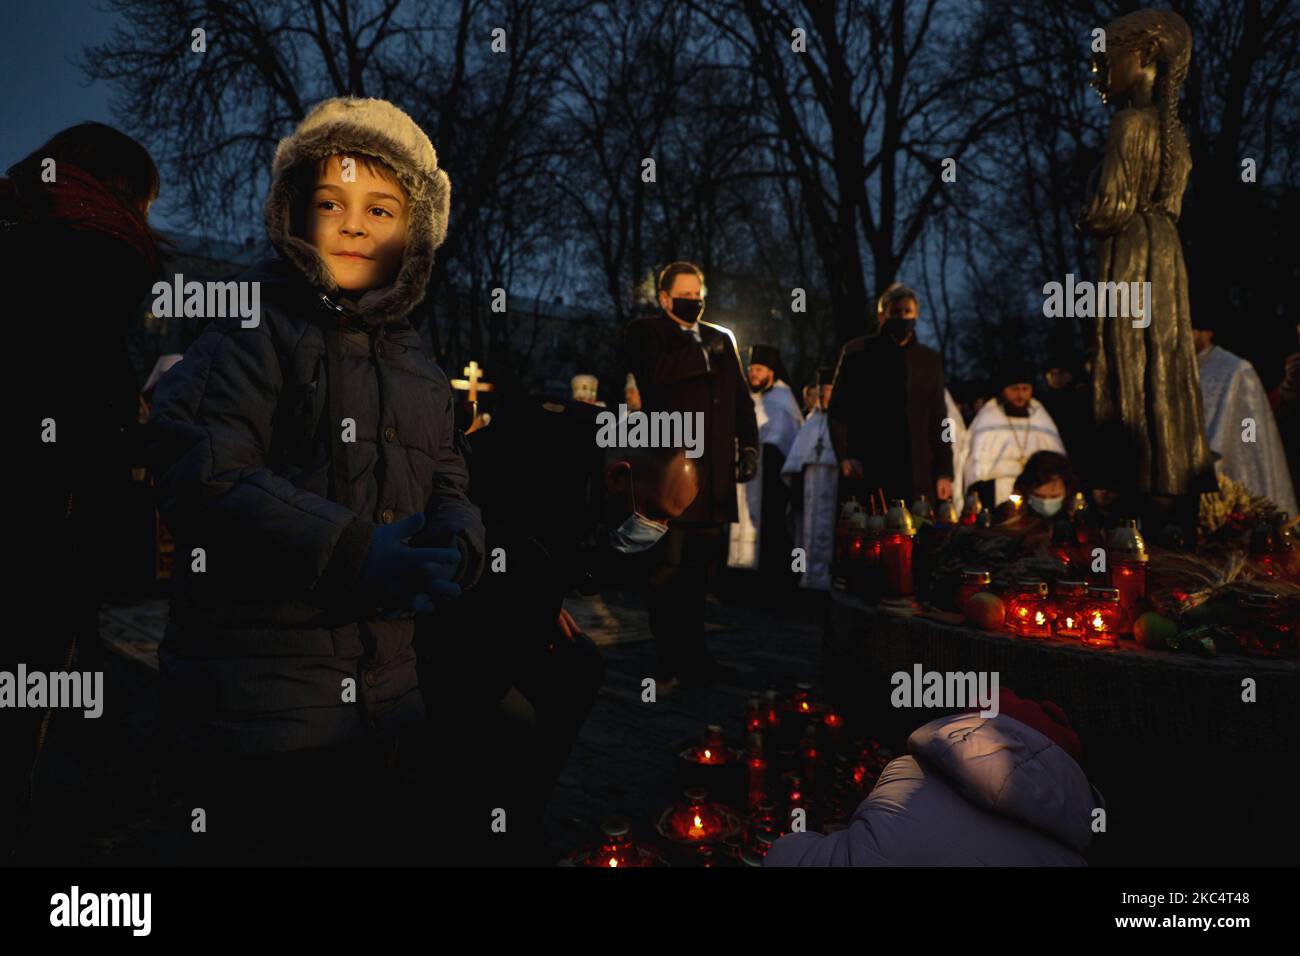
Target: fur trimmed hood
372,128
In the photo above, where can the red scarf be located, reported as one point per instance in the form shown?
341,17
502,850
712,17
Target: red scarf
82,203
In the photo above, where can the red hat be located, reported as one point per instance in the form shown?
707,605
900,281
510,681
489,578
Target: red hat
1045,717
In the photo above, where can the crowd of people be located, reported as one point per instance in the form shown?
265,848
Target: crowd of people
886,422
360,586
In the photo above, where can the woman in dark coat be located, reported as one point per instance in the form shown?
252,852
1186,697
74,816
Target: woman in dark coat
74,232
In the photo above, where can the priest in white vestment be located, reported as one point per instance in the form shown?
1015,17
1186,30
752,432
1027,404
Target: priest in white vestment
812,471
764,502
1239,423
1005,433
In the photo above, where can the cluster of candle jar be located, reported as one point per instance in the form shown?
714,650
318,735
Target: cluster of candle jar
796,758
1096,611
1273,552
616,850
1070,609
873,551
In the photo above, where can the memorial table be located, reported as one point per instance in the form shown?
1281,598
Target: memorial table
1191,773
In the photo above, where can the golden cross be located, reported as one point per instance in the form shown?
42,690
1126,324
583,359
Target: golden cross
471,382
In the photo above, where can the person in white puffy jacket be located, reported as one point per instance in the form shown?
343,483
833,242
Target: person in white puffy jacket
973,791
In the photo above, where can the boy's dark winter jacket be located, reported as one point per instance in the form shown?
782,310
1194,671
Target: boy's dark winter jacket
252,468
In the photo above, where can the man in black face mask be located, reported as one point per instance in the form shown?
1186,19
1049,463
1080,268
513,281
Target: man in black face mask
887,409
682,364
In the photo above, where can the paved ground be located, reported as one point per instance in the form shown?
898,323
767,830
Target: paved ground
96,804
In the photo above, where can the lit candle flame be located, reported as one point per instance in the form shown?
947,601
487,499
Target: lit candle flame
803,705
1015,500
613,862
699,824
708,754
1040,618
1097,621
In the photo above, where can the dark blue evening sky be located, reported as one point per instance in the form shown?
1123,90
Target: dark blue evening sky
44,91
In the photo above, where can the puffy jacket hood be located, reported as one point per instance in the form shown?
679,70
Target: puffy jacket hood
372,128
1002,765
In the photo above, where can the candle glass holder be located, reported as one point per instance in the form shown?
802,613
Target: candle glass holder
1126,555
1029,611
1068,609
973,580
896,550
1104,617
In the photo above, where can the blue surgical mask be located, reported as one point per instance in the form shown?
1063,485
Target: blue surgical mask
637,533
1046,506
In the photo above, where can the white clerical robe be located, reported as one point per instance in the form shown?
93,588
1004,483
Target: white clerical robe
779,421
999,445
814,530
1240,426
960,447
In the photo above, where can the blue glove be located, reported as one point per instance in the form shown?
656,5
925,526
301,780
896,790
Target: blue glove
398,577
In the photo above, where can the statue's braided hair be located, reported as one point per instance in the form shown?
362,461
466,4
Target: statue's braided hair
1171,38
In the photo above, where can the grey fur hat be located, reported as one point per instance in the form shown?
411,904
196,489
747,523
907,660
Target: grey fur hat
367,127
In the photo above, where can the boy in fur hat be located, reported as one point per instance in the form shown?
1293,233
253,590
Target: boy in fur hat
311,473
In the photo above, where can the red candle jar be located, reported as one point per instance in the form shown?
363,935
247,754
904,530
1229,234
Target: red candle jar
804,700
696,821
834,725
762,818
758,847
771,709
755,771
1126,557
971,511
795,795
1029,612
851,516
615,851
754,722
869,576
1068,609
1065,547
1104,618
713,765
810,758
896,549
973,580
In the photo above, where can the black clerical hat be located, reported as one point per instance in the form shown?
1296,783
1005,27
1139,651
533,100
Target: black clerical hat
1014,371
765,355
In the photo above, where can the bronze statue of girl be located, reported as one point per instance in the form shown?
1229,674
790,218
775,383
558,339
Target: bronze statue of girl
1145,383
